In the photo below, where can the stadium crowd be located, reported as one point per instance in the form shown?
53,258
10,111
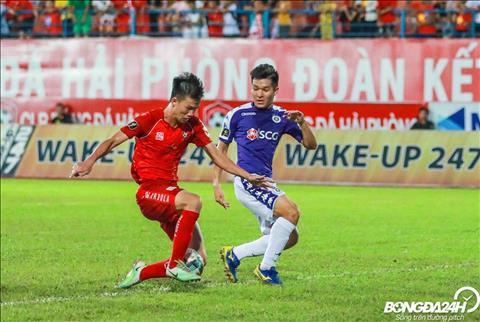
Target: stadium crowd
244,18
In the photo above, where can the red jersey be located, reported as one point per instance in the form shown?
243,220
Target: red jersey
388,17
159,146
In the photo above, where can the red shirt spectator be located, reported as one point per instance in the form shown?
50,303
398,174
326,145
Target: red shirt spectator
463,21
386,11
425,17
215,20
143,19
51,19
24,7
123,15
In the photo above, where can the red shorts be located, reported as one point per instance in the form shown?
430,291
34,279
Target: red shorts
156,200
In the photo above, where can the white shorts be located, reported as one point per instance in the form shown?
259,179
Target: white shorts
260,201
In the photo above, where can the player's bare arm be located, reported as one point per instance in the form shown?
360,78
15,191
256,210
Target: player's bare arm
83,168
228,165
217,174
309,141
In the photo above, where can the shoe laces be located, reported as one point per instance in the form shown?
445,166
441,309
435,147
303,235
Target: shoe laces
181,264
273,273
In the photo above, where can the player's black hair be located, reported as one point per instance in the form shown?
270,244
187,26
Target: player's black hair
265,71
187,85
424,109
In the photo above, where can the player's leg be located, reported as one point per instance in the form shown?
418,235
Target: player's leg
159,269
260,202
197,243
189,205
165,211
287,216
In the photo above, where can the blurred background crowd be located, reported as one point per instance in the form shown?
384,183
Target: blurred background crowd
243,18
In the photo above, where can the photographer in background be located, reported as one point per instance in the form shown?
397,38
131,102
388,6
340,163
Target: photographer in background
423,123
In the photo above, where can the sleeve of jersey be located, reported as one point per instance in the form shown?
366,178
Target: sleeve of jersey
201,136
294,130
139,126
228,129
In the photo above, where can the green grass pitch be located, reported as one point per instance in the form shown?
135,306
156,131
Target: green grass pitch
65,244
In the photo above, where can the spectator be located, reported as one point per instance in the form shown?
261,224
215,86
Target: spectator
51,19
214,19
122,21
387,17
462,21
327,11
256,30
155,16
22,17
348,17
174,20
230,19
283,18
370,19
475,5
423,123
66,17
105,16
141,15
63,115
193,22
244,16
425,19
4,27
82,19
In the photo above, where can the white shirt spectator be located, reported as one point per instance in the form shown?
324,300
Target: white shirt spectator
371,10
474,5
230,24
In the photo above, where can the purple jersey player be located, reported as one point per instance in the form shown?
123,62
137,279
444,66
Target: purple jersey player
257,128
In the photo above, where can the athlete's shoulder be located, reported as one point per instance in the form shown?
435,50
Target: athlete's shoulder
278,109
240,111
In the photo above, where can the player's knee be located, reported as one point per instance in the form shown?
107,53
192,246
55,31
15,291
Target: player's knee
293,214
193,203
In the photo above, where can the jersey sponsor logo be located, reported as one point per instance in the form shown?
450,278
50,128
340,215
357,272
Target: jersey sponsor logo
171,188
253,134
276,119
225,133
132,125
248,113
159,136
163,198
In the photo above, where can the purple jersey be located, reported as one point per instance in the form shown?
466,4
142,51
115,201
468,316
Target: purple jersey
257,133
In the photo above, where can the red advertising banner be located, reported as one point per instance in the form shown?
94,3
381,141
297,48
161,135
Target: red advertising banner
371,116
373,70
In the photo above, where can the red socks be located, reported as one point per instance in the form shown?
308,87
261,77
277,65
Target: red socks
181,240
154,270
183,235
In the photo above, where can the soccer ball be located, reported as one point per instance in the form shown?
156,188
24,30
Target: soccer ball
194,261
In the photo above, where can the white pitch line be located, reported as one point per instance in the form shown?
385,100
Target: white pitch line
166,289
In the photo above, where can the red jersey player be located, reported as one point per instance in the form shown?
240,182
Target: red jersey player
162,136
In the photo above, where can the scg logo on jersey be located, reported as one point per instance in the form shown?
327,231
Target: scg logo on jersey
253,134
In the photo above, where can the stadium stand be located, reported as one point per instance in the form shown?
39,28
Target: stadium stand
245,18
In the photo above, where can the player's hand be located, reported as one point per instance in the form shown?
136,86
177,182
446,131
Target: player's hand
260,181
220,198
80,169
295,116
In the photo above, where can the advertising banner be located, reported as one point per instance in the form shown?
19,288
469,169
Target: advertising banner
456,116
369,116
344,70
412,158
